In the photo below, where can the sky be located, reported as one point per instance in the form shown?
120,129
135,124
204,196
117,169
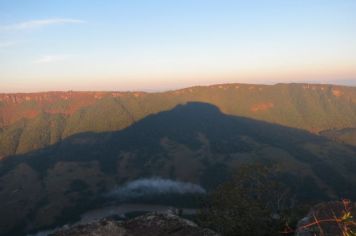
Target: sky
157,45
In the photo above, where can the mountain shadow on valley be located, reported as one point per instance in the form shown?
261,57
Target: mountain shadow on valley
194,142
195,126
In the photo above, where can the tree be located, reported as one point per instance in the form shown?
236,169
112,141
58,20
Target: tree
253,202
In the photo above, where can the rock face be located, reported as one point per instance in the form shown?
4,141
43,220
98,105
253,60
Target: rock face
151,224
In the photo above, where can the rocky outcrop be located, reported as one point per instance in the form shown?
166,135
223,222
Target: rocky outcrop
151,224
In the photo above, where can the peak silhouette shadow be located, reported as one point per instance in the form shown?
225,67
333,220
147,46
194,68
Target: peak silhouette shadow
193,142
193,125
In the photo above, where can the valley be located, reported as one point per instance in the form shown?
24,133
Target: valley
59,161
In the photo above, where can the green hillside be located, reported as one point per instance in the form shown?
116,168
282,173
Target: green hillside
35,122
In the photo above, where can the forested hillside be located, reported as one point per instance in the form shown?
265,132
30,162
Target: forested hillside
32,121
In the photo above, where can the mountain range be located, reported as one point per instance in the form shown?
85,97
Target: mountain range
61,150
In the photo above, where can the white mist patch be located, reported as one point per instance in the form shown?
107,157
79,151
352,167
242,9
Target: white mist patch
155,186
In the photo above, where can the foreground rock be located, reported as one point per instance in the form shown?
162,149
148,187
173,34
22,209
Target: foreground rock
151,224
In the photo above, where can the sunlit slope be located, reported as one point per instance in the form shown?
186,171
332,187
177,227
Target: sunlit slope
32,121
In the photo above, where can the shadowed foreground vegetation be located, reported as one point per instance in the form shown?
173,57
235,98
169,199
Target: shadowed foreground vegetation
256,202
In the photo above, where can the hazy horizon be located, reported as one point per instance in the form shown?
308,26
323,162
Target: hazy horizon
158,90
160,45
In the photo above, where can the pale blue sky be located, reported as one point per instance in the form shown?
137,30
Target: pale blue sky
155,45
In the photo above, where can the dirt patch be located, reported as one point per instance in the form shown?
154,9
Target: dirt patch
262,107
336,92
